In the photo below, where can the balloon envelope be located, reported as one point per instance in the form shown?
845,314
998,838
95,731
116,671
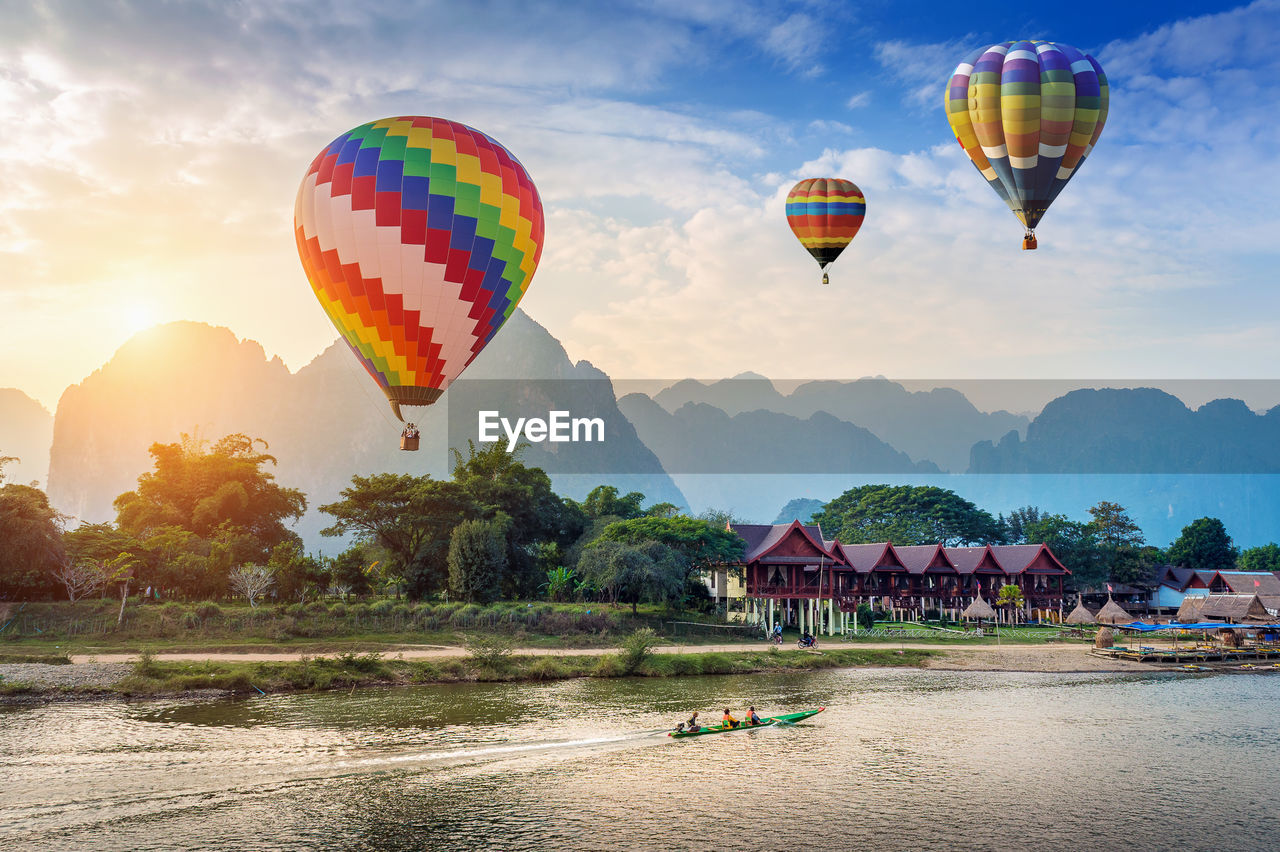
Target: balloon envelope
419,236
1027,113
825,215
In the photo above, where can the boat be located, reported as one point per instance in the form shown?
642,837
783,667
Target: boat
785,718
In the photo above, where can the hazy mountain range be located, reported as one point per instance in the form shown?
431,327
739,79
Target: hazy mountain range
735,444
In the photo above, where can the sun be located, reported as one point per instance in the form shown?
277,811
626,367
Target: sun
137,316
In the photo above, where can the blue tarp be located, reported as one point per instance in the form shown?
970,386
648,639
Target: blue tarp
1143,627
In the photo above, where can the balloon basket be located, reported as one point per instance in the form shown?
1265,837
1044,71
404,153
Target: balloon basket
1029,242
825,279
408,444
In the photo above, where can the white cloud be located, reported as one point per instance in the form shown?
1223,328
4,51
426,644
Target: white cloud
859,100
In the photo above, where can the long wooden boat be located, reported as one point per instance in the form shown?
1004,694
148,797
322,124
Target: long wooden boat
787,718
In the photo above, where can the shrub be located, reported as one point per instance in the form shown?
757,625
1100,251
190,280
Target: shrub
360,610
637,648
608,666
338,610
317,608
548,668
190,620
401,610
295,610
146,666
381,608
489,651
466,616
208,610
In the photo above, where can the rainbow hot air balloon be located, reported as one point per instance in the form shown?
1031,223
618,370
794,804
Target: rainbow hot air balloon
825,215
1027,113
419,236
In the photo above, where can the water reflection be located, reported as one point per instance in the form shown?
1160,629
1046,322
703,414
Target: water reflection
900,759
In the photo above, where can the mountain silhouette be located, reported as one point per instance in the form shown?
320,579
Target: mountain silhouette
26,430
323,424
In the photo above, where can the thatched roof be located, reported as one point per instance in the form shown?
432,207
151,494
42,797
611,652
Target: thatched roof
1080,615
1234,607
1113,613
1189,612
978,609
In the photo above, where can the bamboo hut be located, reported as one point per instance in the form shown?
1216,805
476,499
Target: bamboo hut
1189,612
1113,613
1081,614
979,610
1237,608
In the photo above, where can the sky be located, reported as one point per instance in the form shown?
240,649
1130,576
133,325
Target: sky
151,153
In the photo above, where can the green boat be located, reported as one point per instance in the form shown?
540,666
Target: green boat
787,718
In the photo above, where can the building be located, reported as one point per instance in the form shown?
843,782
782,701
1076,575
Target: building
794,575
1174,584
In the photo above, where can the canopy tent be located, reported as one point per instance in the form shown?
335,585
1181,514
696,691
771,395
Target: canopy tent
1143,627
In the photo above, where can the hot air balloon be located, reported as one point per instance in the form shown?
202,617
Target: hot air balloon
419,236
825,215
1027,113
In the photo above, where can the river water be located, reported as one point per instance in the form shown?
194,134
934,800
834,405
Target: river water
901,759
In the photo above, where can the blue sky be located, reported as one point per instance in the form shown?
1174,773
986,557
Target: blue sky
152,152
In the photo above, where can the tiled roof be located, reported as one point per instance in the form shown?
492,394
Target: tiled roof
917,558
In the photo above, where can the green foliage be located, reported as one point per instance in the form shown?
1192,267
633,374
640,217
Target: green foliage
1113,526
698,541
409,517
208,610
637,647
478,559
866,616
628,574
560,583
31,546
604,501
1073,542
1264,558
203,490
490,651
907,515
1009,596
1204,546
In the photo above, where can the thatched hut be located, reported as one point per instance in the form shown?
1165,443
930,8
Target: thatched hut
1236,608
1113,613
1189,612
1081,614
1105,638
979,610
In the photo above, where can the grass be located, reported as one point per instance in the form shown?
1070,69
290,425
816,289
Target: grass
154,678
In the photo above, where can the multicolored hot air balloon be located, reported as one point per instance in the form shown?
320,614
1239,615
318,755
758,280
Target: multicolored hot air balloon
419,235
1027,113
825,215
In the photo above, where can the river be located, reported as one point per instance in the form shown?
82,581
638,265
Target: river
901,759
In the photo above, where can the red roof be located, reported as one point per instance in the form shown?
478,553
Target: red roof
866,557
925,557
970,559
1017,558
763,539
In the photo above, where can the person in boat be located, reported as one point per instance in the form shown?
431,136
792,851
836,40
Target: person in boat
692,725
752,717
729,721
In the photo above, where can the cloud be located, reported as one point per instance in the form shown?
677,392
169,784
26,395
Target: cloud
859,100
923,68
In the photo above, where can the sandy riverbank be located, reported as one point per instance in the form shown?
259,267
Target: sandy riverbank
1013,658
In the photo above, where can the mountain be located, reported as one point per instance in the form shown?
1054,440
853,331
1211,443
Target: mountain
939,425
700,438
1137,431
325,423
26,431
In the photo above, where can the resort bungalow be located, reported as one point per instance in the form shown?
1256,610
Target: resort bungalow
794,575
1174,584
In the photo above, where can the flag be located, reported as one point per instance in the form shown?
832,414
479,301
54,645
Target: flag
1257,584
1108,588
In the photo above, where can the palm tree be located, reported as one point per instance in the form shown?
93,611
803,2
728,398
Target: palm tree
1010,596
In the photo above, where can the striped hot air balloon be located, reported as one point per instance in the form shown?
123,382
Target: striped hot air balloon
1027,113
419,236
825,215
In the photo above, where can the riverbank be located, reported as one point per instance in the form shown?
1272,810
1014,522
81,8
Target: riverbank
173,674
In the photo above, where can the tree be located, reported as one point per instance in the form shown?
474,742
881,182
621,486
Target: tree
1264,558
478,559
347,573
907,515
294,571
1010,597
409,517
6,460
252,581
1204,546
663,510
628,574
1073,542
81,578
699,542
604,500
206,489
1113,526
31,548
1015,526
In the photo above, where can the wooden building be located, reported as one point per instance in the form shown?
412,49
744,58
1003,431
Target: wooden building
794,575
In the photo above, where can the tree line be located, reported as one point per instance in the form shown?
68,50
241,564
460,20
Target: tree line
1109,547
209,520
